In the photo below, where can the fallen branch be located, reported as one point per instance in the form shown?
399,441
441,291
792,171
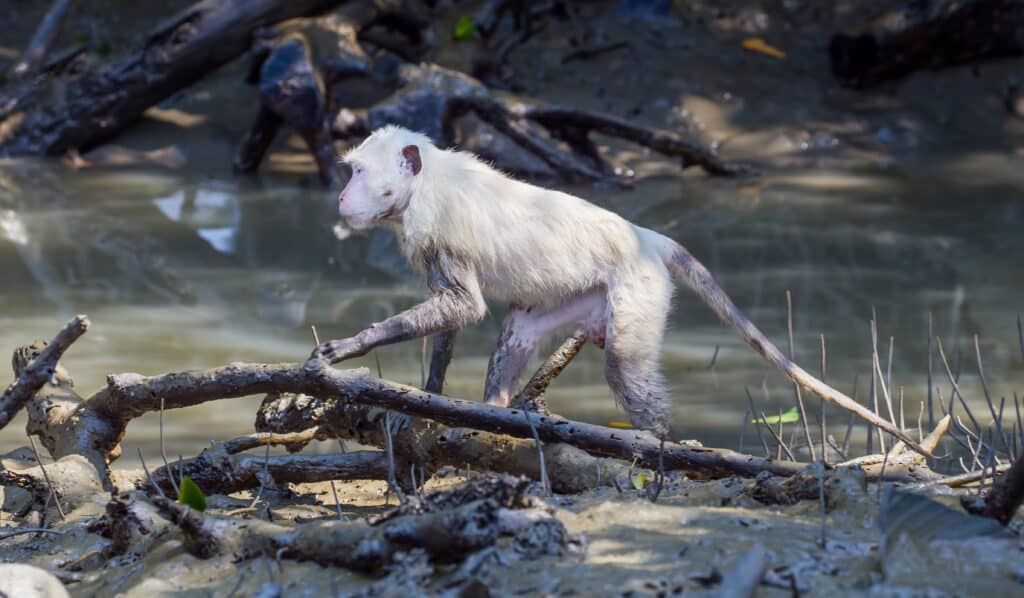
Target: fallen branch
445,536
217,473
431,98
39,369
531,397
432,445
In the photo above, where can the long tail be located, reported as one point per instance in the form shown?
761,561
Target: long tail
690,271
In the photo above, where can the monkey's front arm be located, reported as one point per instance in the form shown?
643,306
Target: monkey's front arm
456,302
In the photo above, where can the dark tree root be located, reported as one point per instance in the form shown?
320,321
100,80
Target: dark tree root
1005,497
446,536
431,98
99,102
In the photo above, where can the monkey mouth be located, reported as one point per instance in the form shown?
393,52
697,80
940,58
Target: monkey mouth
360,221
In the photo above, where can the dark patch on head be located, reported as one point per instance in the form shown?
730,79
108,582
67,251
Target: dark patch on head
411,153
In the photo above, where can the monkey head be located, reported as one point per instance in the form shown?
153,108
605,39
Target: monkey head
385,174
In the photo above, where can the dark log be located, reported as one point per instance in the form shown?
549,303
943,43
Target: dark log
445,536
102,101
431,98
216,472
431,446
909,39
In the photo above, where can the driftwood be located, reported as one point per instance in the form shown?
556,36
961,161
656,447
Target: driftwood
913,38
431,446
35,369
100,102
217,472
445,536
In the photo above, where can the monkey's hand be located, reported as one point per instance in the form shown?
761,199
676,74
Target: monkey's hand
340,350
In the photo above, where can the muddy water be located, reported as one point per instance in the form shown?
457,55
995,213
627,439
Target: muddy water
182,271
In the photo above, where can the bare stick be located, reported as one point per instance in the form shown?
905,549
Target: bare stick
46,476
392,479
531,396
988,397
337,503
777,436
40,370
757,422
796,387
931,410
30,530
883,382
956,387
545,482
316,337
849,421
821,406
149,477
42,40
163,453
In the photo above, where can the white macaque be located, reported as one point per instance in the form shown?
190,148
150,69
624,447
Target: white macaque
555,258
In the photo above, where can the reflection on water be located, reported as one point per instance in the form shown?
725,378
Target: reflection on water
179,272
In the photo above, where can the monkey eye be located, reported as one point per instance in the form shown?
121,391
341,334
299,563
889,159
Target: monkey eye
386,193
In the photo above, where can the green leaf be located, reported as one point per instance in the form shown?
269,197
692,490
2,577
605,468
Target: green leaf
640,481
189,494
789,417
464,28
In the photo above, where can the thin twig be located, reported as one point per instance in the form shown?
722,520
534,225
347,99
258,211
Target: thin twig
392,480
337,503
956,387
757,422
988,396
30,530
163,453
544,481
778,438
796,387
931,410
145,469
46,476
821,406
850,420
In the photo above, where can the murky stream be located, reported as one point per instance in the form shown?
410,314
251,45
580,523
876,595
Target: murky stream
180,271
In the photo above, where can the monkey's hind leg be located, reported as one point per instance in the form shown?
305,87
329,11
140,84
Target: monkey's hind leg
637,312
524,329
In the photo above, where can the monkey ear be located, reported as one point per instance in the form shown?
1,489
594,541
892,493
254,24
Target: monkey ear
411,159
